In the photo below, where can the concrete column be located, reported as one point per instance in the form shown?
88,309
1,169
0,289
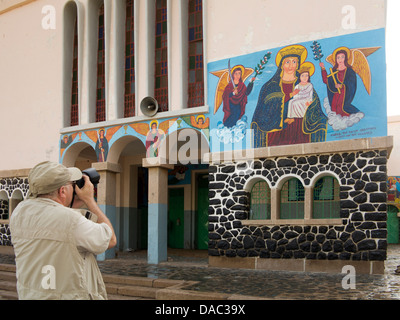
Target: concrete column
144,50
128,207
106,196
115,19
157,210
177,54
308,205
88,25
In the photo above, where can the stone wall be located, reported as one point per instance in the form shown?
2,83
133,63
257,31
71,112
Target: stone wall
361,235
9,185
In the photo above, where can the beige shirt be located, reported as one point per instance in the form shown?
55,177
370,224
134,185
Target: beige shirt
55,251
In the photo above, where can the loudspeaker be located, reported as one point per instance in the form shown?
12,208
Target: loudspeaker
149,106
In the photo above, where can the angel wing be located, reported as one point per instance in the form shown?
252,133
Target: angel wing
92,135
222,83
361,67
224,79
358,60
164,126
111,131
141,128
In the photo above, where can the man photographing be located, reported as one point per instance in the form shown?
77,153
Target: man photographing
54,244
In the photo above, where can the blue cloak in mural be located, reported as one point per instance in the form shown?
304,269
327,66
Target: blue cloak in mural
269,123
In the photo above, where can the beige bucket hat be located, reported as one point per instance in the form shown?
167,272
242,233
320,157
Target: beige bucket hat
48,176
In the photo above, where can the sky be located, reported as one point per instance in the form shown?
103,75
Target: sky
392,53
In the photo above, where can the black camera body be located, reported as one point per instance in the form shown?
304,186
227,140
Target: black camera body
93,175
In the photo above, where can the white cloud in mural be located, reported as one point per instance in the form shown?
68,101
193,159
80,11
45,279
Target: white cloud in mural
233,134
338,122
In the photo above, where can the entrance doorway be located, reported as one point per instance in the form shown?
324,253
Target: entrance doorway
176,229
392,225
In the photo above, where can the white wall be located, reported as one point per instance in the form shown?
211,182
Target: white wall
30,86
31,58
238,27
394,160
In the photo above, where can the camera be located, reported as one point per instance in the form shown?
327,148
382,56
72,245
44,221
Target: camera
93,175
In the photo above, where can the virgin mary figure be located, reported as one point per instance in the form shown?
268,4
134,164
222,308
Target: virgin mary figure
270,128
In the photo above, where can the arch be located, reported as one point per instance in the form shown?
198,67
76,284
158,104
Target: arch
326,197
127,145
72,153
4,205
282,180
16,197
17,194
3,195
320,175
185,146
249,184
292,197
260,201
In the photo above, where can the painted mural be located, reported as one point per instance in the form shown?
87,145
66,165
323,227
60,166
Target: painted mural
292,95
394,191
151,133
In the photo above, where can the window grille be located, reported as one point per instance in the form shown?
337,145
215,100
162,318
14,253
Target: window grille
161,54
292,200
260,201
74,92
100,94
196,63
129,109
326,199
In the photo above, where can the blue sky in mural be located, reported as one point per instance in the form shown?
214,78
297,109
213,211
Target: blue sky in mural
373,106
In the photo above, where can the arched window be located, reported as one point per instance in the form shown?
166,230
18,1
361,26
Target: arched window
74,92
101,87
326,199
161,56
292,200
129,110
260,201
70,61
196,65
4,206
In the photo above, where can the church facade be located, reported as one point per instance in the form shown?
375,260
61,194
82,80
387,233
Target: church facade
257,132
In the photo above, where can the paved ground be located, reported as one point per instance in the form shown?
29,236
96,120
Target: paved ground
268,284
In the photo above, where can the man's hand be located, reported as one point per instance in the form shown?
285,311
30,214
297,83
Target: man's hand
85,195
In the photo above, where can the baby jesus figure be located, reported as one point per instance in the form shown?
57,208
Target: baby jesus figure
302,94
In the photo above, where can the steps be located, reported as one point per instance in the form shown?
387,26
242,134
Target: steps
118,287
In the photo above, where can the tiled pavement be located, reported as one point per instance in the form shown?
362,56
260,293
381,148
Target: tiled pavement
192,266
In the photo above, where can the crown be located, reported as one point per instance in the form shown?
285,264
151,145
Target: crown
307,67
296,49
292,50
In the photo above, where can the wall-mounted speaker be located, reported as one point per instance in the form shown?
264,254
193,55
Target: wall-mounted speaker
149,106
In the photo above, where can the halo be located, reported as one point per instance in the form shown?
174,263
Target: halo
152,122
241,69
307,67
348,51
296,49
201,116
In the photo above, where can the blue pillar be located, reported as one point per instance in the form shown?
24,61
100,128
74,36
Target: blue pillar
157,233
158,210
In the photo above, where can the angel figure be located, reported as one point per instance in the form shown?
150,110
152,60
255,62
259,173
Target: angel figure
101,139
101,147
200,122
232,92
342,84
155,134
